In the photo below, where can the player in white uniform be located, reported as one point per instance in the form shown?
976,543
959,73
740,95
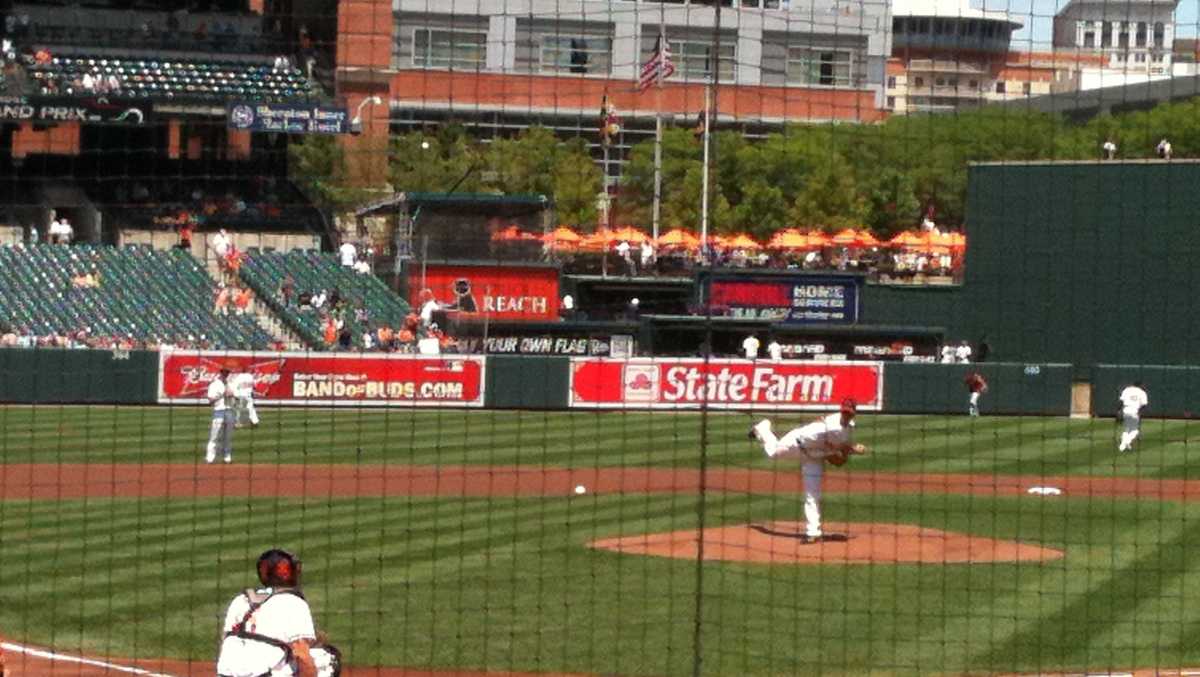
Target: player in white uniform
243,391
1133,400
269,631
220,435
774,350
826,439
750,347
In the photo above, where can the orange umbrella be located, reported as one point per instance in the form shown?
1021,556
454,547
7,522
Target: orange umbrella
629,234
599,240
847,237
741,241
789,238
957,240
867,239
817,239
563,234
907,239
510,233
678,237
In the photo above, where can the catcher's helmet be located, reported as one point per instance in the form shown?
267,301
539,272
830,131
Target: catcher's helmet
279,568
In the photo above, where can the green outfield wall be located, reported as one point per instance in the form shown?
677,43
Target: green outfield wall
1174,390
526,382
1039,389
59,376
1083,262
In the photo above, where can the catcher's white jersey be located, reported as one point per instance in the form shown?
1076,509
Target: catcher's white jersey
284,617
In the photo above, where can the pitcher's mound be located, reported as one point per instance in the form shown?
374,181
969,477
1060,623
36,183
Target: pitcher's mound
842,543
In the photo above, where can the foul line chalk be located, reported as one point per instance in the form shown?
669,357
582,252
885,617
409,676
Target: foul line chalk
64,658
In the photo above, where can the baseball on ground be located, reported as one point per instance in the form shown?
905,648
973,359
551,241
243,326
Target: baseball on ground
580,489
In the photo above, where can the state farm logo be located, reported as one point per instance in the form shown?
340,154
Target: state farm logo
197,376
641,382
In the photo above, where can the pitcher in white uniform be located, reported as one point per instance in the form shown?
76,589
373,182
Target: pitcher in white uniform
1133,400
826,439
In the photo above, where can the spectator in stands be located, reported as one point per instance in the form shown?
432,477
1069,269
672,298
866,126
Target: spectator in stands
647,256
242,300
287,290
335,299
221,307
345,338
318,300
624,251
330,331
429,306
566,309
185,236
385,336
633,311
61,231
361,266
348,253
221,244
962,354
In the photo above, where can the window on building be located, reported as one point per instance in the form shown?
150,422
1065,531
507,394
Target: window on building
693,60
897,25
923,26
1000,87
1156,58
456,50
1026,88
918,82
1123,35
1140,36
576,54
820,67
939,82
891,82
973,84
891,102
1089,39
972,27
939,27
1140,57
1160,33
1106,34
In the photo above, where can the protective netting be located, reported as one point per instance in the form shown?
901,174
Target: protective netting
621,338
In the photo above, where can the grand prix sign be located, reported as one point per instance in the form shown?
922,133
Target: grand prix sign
327,379
663,383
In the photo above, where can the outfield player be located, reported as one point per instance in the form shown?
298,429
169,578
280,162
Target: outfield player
976,386
826,439
269,631
243,392
220,435
1133,400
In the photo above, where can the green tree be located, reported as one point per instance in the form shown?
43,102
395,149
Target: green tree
829,198
437,162
577,182
316,163
524,163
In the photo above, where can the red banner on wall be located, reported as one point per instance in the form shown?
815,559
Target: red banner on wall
321,378
500,292
663,383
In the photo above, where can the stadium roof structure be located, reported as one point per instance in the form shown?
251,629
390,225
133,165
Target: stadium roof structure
500,205
1084,105
950,9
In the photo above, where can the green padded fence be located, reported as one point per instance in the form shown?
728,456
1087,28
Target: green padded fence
524,382
1174,390
1043,389
62,376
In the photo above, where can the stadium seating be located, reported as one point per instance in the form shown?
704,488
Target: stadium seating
313,272
173,78
150,295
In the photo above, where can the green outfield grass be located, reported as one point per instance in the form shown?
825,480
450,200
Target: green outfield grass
1003,445
509,584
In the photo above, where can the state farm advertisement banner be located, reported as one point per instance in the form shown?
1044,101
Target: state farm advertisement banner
663,383
327,379
500,292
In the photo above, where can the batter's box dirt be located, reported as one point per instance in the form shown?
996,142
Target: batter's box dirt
843,543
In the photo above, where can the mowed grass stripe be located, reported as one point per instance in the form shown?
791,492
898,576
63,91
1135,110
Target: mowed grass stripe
1001,445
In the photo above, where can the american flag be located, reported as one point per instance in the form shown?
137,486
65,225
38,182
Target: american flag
658,66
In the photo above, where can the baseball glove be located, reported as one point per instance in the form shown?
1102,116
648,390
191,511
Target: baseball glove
837,459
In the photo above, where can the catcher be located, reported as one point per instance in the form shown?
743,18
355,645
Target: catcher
826,439
269,632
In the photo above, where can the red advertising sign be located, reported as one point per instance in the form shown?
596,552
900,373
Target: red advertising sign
327,379
500,292
665,383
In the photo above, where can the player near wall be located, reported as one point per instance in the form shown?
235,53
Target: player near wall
1133,400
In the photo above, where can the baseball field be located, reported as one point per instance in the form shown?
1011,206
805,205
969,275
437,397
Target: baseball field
457,542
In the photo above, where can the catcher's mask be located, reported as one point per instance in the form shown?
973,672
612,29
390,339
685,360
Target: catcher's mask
279,569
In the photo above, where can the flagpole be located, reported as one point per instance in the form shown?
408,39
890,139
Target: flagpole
704,178
658,125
